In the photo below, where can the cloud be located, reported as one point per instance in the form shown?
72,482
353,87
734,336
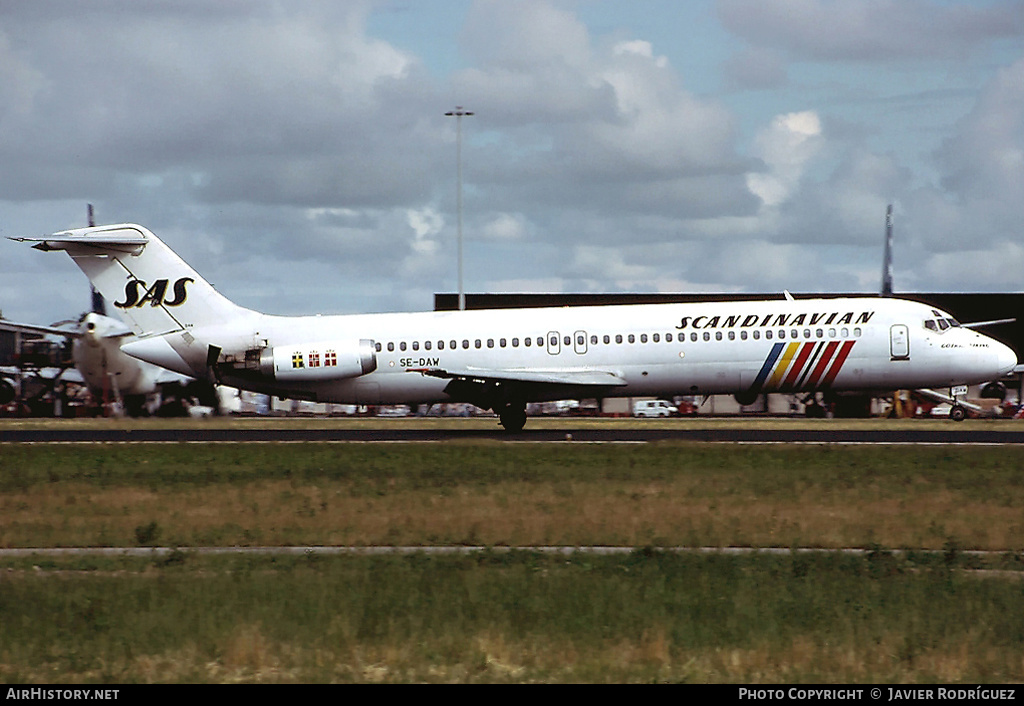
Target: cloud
786,146
870,30
264,105
298,153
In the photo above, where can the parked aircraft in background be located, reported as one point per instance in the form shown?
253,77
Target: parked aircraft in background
503,359
112,376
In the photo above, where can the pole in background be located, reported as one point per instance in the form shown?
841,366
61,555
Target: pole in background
887,256
458,114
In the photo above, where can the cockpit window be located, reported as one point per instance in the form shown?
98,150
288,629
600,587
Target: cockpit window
941,322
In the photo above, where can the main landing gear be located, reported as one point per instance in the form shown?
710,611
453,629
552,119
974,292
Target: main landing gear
512,416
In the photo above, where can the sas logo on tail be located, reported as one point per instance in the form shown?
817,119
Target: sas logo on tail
136,293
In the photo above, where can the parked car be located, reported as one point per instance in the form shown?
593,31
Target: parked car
654,408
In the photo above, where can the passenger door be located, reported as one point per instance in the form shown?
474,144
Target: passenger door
899,342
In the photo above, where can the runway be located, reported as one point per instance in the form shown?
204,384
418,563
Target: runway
997,432
162,552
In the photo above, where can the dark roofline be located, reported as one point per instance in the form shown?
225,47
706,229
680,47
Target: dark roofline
966,307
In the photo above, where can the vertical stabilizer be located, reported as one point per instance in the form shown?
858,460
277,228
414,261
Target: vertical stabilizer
154,290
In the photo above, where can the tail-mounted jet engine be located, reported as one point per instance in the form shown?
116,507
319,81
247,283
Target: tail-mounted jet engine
324,360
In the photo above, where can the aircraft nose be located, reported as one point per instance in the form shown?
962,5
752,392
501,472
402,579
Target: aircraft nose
1006,358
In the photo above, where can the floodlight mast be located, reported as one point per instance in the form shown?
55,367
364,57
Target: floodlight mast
458,114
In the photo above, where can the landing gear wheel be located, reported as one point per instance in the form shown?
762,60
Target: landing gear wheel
957,413
513,418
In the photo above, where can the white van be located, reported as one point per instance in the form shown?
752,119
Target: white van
653,408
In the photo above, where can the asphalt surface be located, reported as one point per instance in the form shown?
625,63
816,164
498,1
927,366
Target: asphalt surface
610,434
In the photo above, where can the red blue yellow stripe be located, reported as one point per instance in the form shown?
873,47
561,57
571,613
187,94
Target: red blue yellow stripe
801,366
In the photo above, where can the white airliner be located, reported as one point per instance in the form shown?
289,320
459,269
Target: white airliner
503,359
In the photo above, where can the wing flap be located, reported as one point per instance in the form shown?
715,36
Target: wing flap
575,377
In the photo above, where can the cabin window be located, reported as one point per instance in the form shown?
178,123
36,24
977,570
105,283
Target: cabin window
707,336
668,338
581,340
415,345
490,343
807,333
527,341
401,346
453,345
693,336
732,335
767,335
782,333
632,338
426,345
743,335
540,341
643,338
607,339
567,340
818,333
378,346
593,340
856,333
502,342
618,338
845,333
515,342
718,335
831,333
656,337
465,344
391,347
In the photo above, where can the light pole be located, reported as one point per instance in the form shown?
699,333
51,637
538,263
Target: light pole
458,113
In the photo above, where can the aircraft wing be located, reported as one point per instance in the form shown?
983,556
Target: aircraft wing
562,377
983,324
167,377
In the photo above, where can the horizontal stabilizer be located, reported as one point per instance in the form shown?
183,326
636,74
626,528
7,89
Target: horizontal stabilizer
120,238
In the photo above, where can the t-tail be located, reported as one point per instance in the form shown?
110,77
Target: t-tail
155,291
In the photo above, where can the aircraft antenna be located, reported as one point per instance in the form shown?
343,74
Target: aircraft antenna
887,259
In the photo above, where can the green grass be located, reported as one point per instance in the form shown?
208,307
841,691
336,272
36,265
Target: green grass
510,617
513,616
493,494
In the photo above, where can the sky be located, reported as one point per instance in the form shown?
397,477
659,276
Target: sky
298,155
